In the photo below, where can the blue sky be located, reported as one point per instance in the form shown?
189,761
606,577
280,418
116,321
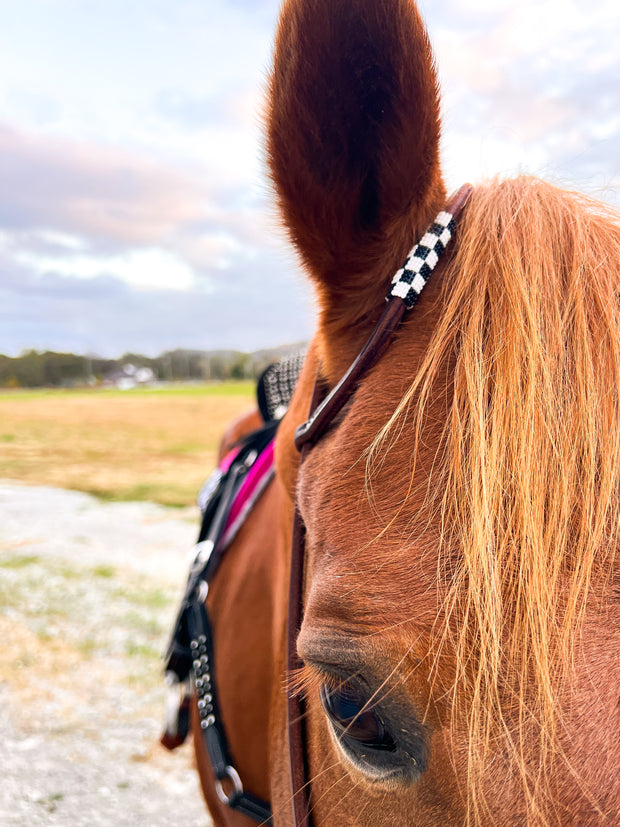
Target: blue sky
134,208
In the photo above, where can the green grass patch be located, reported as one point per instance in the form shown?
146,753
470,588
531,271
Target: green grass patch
142,650
33,393
20,561
67,571
142,492
50,802
107,572
87,646
241,388
151,598
187,448
148,626
232,388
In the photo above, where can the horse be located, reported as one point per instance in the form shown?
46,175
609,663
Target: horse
455,653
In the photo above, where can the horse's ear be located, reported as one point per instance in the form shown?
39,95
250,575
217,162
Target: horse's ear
353,135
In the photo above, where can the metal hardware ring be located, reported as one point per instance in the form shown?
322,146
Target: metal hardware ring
232,775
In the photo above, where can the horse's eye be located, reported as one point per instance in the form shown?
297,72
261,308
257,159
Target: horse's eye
348,710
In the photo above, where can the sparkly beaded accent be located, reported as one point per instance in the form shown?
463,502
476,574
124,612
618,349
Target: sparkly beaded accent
202,679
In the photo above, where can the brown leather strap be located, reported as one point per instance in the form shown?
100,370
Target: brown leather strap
323,409
295,709
313,429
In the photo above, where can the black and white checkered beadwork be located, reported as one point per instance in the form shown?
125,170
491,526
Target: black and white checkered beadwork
410,280
279,382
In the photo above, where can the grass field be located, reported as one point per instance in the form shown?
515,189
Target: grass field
144,444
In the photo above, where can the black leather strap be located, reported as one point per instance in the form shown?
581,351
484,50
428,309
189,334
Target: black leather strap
211,724
190,651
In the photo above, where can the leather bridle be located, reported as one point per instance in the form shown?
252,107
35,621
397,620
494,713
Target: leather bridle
407,286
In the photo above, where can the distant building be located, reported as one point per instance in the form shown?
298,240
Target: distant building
129,376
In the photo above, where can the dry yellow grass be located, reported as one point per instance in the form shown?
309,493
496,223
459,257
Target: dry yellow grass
140,445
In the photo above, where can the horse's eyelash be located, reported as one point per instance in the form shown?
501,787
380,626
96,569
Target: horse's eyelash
309,678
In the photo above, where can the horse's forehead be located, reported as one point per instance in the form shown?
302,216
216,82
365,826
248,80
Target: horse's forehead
372,548
362,594
344,474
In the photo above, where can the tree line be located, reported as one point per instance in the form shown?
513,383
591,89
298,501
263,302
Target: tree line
36,369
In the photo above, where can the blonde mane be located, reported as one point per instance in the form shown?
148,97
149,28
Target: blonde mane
528,468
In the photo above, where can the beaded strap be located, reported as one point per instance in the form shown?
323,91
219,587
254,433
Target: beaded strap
411,279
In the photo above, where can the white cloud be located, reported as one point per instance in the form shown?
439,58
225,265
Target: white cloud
131,154
86,188
149,268
56,239
126,214
530,87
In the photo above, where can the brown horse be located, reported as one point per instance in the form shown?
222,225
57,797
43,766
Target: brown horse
461,623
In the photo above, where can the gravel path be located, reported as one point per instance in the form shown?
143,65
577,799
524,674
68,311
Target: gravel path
88,591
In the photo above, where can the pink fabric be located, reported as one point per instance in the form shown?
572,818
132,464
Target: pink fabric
253,485
228,460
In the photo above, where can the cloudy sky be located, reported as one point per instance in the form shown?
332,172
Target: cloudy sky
134,209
